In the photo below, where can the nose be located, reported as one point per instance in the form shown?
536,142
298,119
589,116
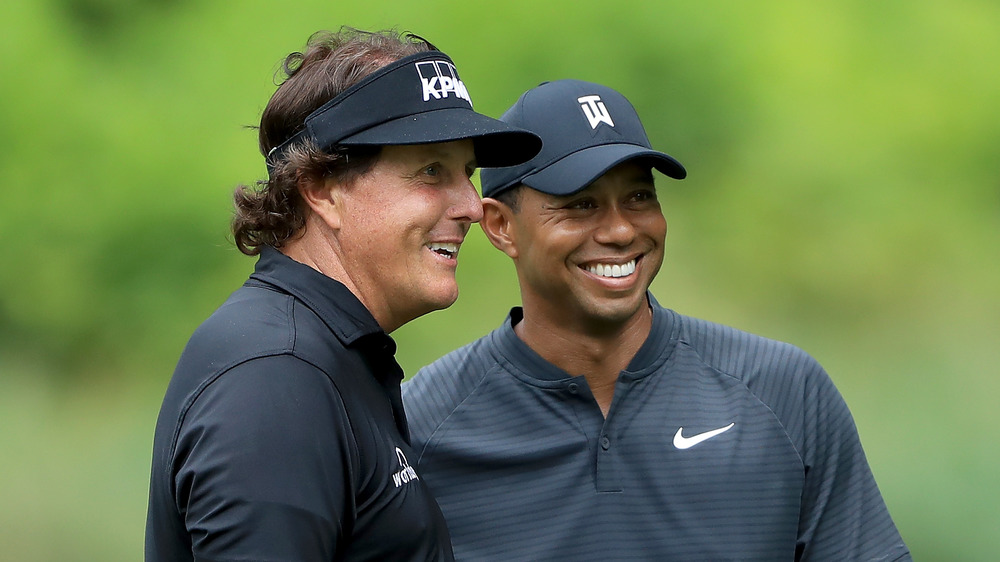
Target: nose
466,205
615,227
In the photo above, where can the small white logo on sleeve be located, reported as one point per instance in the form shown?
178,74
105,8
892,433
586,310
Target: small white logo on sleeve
682,442
595,110
440,79
405,473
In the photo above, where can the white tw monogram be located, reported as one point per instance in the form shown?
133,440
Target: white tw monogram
595,110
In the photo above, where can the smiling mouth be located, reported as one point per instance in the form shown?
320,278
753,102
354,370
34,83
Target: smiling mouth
612,269
445,249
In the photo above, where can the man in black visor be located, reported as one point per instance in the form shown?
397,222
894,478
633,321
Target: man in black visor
282,434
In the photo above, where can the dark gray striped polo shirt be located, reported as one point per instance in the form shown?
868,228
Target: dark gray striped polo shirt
719,445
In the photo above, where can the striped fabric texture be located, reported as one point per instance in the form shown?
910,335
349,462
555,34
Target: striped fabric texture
719,445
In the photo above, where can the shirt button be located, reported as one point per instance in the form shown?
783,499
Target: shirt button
605,442
573,388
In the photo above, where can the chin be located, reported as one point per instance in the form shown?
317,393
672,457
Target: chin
619,310
442,297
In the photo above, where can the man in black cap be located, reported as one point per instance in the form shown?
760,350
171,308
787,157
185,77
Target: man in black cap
282,434
595,424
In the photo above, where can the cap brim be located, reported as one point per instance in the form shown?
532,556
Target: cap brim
578,170
496,143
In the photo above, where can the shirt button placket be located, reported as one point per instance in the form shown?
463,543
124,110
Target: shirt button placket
607,477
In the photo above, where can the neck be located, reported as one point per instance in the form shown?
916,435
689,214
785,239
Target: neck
317,248
598,351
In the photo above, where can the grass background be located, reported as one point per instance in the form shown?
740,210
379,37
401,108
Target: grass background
843,195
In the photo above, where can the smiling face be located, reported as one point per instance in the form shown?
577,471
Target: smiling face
587,257
401,226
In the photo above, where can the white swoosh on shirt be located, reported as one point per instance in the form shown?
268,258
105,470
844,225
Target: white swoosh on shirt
682,442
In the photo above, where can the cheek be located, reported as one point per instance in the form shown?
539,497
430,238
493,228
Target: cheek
551,245
389,214
418,208
655,226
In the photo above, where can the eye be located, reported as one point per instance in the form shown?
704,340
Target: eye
581,204
433,170
643,196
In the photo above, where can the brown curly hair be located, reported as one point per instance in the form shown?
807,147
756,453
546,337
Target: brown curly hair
271,212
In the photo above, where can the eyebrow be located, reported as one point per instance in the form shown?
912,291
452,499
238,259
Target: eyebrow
434,150
646,175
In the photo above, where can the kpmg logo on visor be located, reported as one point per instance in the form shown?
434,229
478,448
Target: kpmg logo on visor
440,79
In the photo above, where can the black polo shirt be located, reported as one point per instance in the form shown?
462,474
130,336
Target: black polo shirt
282,434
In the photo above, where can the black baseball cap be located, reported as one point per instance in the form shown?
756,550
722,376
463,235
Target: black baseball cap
418,99
586,130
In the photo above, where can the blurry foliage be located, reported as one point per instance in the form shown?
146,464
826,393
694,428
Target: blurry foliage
838,158
843,194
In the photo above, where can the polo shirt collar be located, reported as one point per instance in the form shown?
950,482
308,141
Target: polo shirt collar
335,304
660,343
657,348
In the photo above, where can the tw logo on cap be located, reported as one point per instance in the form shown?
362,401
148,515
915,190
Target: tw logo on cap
440,79
595,110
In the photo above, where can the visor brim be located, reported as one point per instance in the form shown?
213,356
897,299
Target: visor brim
497,144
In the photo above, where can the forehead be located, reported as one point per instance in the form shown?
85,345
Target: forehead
462,151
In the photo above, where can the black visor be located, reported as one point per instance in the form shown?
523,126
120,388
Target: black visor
418,99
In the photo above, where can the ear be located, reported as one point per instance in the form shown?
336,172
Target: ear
498,225
324,198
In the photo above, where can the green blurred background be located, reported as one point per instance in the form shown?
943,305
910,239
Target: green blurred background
844,195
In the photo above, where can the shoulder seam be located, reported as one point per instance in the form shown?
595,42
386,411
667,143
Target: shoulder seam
196,394
475,387
742,382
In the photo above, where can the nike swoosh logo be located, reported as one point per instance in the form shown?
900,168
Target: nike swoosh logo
682,442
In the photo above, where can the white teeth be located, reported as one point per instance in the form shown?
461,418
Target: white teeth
445,249
613,270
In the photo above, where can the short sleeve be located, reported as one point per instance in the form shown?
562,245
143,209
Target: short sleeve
263,463
843,515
